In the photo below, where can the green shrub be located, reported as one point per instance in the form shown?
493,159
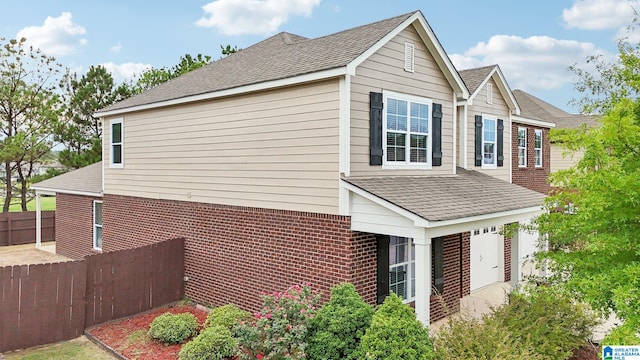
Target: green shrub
395,333
335,331
547,320
213,343
173,328
544,324
622,335
227,316
471,338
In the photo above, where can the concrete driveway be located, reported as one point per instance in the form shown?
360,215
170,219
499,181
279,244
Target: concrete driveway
29,254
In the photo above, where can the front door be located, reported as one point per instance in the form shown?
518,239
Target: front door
486,246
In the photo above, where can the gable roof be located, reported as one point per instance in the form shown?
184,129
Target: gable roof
476,78
84,181
287,56
538,109
447,197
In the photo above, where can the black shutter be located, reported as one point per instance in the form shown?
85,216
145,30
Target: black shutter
436,128
375,128
499,140
438,264
478,140
383,268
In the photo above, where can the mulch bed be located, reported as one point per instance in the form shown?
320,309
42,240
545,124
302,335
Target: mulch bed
128,337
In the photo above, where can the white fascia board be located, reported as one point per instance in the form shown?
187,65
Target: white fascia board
516,214
320,75
524,120
417,220
51,191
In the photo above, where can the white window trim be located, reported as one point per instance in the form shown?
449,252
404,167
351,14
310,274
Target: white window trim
119,165
536,132
410,275
520,147
95,226
495,146
409,57
489,93
406,165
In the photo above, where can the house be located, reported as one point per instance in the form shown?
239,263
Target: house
333,159
539,110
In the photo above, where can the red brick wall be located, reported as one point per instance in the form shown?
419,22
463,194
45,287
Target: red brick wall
74,225
530,176
507,258
456,250
234,253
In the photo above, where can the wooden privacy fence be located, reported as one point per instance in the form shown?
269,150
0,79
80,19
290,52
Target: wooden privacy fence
17,228
45,303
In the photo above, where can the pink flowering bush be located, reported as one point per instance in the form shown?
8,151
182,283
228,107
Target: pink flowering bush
280,328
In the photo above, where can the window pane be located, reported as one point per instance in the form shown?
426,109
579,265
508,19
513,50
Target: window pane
521,157
538,139
116,133
98,239
97,210
522,138
398,280
396,145
117,154
489,130
413,280
419,117
396,114
418,151
488,154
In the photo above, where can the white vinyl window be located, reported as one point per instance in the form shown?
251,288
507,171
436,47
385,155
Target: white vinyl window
409,55
522,147
407,126
97,225
402,267
489,93
538,147
116,144
489,145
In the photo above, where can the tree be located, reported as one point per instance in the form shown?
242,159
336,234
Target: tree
156,76
228,50
593,222
29,109
82,133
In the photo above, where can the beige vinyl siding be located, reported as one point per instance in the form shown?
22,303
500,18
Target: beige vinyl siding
384,70
274,149
500,110
561,160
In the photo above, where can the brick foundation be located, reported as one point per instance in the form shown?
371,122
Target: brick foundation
531,177
74,225
232,254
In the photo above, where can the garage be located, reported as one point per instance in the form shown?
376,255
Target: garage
527,246
486,257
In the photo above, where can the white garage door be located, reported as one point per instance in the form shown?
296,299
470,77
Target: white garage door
486,249
527,246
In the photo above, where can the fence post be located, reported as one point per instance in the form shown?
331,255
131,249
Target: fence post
9,230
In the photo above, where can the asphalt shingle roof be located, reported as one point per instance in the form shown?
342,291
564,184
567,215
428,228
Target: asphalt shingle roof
473,78
281,56
437,198
87,180
534,108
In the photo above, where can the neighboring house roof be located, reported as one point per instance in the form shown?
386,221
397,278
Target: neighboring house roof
476,78
284,56
436,198
536,108
83,181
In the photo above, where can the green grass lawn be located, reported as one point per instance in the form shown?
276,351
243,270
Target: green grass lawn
79,349
46,203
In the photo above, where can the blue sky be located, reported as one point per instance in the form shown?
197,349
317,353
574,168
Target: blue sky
533,41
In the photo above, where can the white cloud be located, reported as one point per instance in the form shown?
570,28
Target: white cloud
534,63
116,48
260,17
58,36
600,14
126,71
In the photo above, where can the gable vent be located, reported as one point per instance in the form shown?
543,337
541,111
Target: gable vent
409,51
